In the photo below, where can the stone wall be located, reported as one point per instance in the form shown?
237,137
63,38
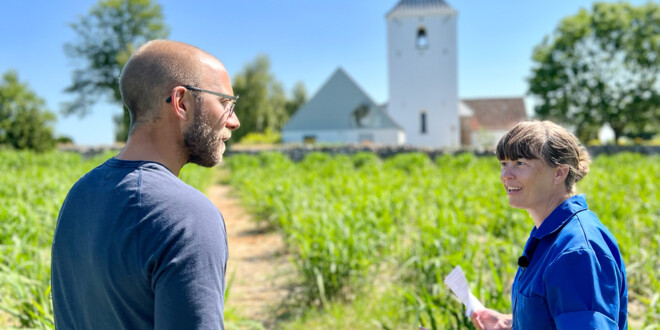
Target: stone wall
90,151
612,149
297,153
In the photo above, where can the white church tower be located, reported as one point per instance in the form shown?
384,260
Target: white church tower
422,60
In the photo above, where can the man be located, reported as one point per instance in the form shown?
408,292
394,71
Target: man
134,246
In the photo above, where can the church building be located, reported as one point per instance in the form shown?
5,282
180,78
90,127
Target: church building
423,109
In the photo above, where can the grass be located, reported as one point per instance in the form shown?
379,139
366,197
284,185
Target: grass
372,239
351,220
32,191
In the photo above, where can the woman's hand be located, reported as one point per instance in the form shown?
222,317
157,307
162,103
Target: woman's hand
488,319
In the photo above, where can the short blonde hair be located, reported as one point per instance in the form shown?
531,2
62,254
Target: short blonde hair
549,142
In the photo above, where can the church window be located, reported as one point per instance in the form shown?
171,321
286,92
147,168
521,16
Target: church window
309,139
422,122
422,41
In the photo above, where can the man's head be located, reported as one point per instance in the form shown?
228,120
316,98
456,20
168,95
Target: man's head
153,87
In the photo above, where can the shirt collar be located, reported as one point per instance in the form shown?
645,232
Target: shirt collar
556,220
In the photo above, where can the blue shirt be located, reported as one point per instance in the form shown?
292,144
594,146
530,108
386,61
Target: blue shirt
136,248
575,278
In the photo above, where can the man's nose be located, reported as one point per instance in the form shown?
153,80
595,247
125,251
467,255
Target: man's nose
233,122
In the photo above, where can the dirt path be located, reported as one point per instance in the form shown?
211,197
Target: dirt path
258,265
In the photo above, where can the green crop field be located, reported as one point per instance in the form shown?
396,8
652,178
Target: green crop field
372,239
32,191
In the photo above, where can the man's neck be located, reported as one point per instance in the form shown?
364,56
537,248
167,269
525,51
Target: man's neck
143,144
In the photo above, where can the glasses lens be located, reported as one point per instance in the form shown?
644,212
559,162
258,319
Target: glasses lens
231,108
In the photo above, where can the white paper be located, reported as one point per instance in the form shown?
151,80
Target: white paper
458,284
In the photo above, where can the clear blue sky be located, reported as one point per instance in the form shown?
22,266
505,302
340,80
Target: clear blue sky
305,40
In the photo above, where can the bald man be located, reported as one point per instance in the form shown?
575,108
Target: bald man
134,246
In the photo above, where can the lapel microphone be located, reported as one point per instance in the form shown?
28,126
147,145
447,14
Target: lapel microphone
526,257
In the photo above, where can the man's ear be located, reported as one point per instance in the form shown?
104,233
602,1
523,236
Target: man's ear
181,103
561,173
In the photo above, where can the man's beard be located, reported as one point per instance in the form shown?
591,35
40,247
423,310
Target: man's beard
205,147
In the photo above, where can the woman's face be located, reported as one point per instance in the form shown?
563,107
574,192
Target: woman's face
529,183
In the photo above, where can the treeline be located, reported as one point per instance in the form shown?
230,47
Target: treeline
599,67
24,121
105,38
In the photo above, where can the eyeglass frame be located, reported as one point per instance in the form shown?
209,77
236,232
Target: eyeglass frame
197,89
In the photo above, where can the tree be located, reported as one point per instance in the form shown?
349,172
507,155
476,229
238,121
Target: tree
601,67
263,105
107,36
24,123
299,98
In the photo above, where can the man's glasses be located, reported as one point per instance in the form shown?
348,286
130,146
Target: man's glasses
231,106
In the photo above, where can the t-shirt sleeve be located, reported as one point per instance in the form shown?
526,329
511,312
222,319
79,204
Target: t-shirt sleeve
583,291
189,282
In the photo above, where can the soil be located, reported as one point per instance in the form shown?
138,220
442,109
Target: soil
259,272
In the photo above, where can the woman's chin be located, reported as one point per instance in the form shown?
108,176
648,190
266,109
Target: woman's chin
515,203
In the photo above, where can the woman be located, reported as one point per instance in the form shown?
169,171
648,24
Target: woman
571,274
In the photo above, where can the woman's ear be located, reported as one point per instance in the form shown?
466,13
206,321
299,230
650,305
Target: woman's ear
561,173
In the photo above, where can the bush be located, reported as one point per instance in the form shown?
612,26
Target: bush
267,137
24,123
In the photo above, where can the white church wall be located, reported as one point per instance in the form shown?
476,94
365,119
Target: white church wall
424,79
487,138
376,136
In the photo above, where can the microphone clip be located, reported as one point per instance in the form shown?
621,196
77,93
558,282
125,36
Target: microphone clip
523,261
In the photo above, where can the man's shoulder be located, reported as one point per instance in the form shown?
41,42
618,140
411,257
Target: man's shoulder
165,186
166,195
90,181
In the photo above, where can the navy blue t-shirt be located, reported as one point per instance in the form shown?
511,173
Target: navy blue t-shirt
136,248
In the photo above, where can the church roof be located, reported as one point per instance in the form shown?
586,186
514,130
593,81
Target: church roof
340,104
496,113
420,7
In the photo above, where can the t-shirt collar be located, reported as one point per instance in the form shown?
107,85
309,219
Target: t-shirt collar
560,215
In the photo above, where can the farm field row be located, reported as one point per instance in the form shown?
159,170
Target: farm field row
32,191
374,239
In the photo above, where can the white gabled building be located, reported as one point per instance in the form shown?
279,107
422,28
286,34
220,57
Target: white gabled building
340,112
424,109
